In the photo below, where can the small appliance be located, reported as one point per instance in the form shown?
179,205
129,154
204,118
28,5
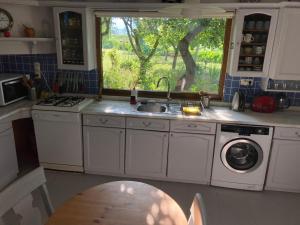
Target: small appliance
264,104
11,88
238,102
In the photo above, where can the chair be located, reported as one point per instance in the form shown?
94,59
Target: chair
17,200
198,212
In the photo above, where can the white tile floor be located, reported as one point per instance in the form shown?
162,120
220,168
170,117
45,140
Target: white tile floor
224,206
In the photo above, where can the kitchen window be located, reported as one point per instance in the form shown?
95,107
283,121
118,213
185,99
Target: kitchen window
135,52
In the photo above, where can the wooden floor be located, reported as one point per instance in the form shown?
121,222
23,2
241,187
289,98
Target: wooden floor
224,206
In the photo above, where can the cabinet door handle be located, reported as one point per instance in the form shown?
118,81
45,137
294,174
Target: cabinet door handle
104,121
147,124
192,125
297,133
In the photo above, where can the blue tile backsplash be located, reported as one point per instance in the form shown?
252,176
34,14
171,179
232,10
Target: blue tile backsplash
232,84
24,64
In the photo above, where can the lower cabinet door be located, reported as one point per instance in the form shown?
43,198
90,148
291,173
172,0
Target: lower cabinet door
146,153
104,150
8,158
283,173
190,157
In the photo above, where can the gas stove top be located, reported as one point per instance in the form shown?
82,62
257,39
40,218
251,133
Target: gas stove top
63,103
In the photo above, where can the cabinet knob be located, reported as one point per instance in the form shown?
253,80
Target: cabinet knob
104,121
297,133
121,132
147,124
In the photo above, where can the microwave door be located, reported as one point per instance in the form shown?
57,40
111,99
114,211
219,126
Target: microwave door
13,90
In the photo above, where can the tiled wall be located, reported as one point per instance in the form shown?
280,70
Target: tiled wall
24,64
232,84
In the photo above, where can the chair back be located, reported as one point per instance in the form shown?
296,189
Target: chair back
198,212
17,199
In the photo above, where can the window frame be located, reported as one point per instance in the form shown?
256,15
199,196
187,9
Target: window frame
162,94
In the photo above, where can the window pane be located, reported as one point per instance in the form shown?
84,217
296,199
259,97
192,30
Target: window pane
139,51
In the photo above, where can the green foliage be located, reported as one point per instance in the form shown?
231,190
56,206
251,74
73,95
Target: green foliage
125,63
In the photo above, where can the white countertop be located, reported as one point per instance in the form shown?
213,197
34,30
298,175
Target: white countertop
286,118
14,108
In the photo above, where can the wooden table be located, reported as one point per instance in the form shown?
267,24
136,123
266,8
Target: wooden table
120,203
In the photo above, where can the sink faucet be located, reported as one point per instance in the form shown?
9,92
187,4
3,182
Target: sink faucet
168,83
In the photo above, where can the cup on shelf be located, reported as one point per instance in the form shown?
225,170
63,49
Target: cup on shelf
257,37
248,50
256,61
248,38
241,68
257,68
264,37
258,50
250,25
259,25
267,25
248,69
248,60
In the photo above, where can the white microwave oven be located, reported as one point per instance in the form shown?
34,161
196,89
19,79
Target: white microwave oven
11,88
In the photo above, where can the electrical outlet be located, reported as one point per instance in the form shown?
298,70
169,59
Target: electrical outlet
37,70
246,82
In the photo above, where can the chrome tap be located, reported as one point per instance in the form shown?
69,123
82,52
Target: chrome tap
168,83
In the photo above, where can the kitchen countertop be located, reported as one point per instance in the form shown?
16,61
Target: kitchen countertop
14,108
287,118
216,114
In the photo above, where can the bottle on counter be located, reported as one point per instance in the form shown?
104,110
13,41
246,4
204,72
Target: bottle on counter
133,96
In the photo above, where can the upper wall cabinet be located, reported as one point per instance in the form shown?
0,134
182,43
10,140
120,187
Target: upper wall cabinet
285,64
252,42
75,38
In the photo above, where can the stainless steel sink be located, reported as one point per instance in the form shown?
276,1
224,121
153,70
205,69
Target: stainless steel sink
153,107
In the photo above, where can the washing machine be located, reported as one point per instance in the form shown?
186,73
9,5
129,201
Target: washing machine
241,156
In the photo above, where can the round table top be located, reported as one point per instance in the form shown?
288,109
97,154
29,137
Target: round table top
120,203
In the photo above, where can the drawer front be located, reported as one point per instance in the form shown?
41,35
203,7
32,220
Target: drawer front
193,127
287,133
103,121
147,124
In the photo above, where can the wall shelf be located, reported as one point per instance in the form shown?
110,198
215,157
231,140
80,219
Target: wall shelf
27,39
32,42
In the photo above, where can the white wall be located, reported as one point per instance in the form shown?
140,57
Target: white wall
40,18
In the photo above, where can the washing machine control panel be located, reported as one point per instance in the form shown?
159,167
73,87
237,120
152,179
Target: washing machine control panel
245,130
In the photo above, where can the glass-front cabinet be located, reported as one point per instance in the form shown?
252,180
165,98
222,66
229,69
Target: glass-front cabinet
252,42
75,38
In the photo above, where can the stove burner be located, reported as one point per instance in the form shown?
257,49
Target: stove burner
61,101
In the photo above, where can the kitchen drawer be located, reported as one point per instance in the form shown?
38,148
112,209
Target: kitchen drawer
103,121
192,127
287,133
147,124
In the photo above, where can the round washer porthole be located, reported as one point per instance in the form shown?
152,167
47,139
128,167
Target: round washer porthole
242,155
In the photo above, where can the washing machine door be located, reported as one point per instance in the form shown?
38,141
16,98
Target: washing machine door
242,155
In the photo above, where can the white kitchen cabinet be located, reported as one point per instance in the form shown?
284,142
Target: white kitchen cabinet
8,156
75,38
252,57
283,173
146,153
286,52
190,157
104,150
